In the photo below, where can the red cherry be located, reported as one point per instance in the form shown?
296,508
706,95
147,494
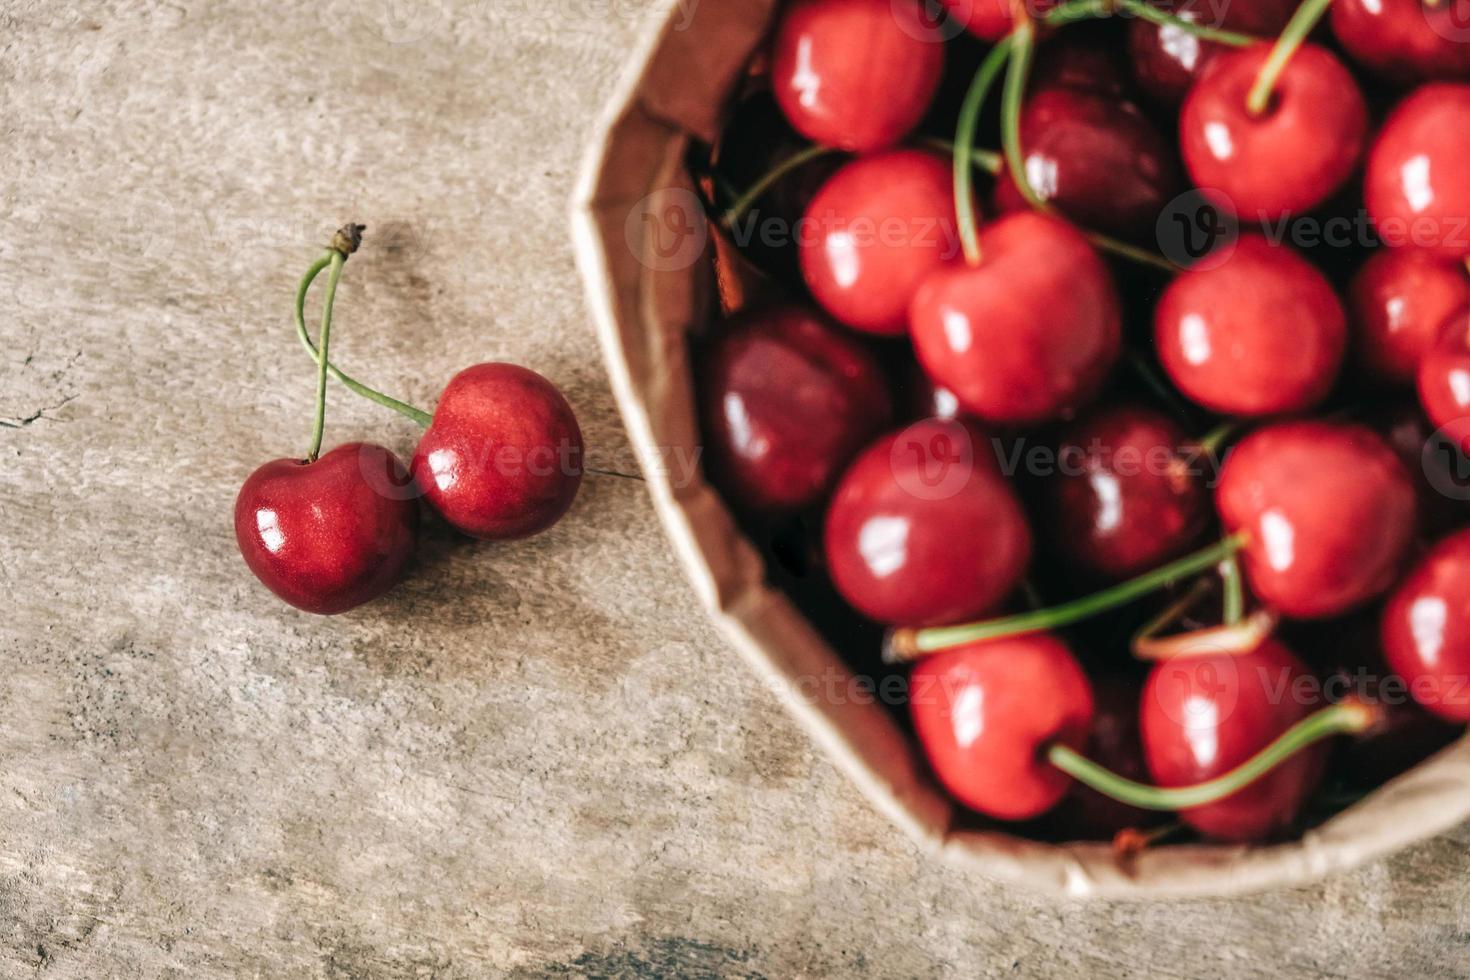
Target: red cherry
1405,40
1220,335
1124,501
924,530
1399,301
1097,158
1291,158
1330,514
1418,179
1434,467
991,20
874,232
788,400
332,535
1444,380
1080,61
986,714
503,457
855,74
1426,630
1029,334
1166,59
1204,716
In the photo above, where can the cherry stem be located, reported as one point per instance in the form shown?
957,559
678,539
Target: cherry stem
908,645
1095,9
761,187
1234,590
1132,253
1023,46
1341,719
356,387
344,243
964,147
1302,23
988,161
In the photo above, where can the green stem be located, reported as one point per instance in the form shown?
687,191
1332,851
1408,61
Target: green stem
1023,45
1145,11
1215,440
356,387
964,146
334,275
1234,590
1303,22
987,160
760,188
1341,719
1132,253
911,644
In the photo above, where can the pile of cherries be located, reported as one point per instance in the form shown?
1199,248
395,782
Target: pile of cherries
501,459
1148,532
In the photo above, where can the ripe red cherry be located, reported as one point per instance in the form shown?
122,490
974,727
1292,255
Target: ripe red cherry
1029,334
1082,61
1097,158
986,714
1426,630
1399,301
1289,159
1405,41
1124,501
874,232
991,20
1418,179
1444,380
1204,716
1329,511
855,74
1166,60
1220,335
1434,467
788,400
331,535
924,530
503,457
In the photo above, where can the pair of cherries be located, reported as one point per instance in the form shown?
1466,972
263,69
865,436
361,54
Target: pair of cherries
501,459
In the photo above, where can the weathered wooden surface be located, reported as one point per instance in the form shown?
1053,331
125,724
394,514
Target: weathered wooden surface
530,760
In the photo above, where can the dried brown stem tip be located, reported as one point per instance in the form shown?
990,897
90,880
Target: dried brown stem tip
901,647
348,239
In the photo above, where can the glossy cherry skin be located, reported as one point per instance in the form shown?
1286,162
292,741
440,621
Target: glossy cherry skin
1080,61
924,530
332,535
503,457
1405,41
855,74
874,232
986,714
1221,335
1167,60
991,20
1028,335
1444,380
1418,178
1398,303
1124,501
1291,158
787,400
1097,158
1426,630
1329,511
1205,716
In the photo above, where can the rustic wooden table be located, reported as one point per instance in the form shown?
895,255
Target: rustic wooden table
529,760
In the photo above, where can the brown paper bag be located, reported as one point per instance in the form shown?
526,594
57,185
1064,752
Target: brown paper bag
642,245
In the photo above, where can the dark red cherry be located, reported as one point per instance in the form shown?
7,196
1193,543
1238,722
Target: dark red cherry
503,457
331,535
788,400
1116,744
1406,41
1289,159
1329,511
1418,179
924,530
855,74
1166,60
1080,60
1398,303
1426,630
1095,157
1028,335
874,232
1204,716
1436,468
986,714
1124,500
1444,380
1220,335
